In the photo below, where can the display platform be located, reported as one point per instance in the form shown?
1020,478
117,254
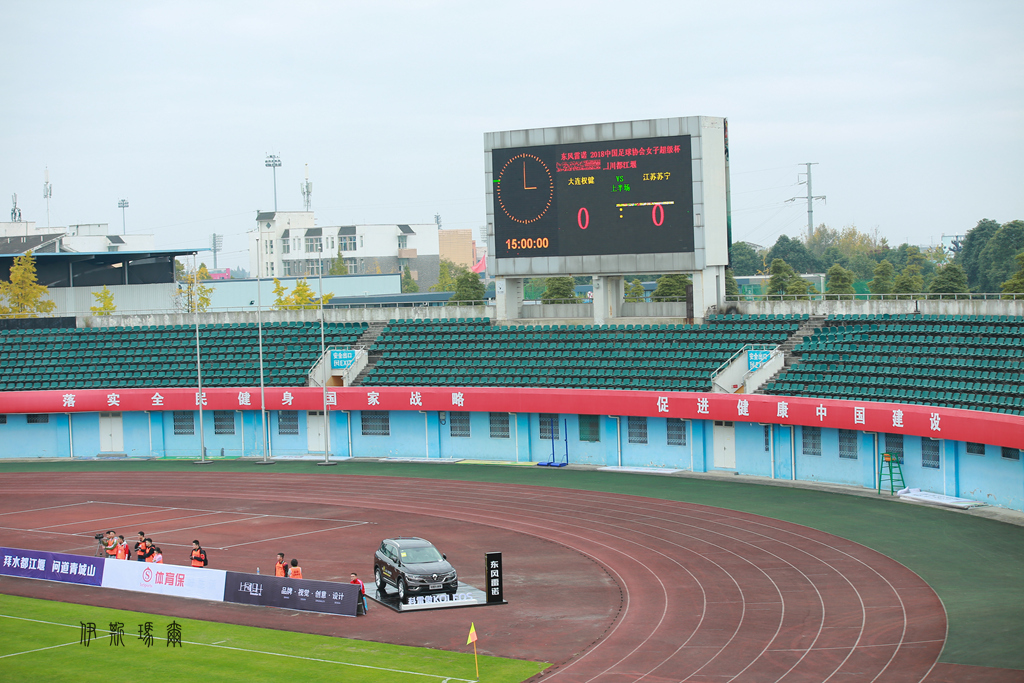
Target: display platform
468,596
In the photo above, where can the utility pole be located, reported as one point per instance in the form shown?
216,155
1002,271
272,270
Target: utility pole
810,198
217,244
47,193
122,204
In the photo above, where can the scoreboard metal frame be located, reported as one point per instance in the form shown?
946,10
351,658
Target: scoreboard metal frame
605,199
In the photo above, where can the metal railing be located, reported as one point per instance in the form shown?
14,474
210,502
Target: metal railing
922,296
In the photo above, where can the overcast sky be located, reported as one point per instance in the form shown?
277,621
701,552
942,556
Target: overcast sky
913,111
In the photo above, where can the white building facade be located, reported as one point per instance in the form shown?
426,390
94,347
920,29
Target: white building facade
290,244
88,238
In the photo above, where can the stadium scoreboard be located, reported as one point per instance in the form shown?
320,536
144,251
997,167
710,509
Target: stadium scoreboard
618,197
628,197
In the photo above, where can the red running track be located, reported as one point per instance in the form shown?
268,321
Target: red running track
707,594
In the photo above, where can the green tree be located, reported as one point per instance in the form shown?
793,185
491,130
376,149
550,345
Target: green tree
786,281
559,289
882,282
974,242
448,276
194,297
179,271
794,253
104,302
839,280
338,266
22,296
635,292
671,287
996,262
204,273
469,287
1015,285
732,288
408,284
909,281
950,279
744,259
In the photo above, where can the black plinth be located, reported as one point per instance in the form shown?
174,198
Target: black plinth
468,596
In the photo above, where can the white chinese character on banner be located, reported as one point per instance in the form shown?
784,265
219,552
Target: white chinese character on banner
821,411
158,400
42,565
332,398
69,400
287,398
201,398
783,409
457,398
113,399
743,407
858,415
415,399
934,422
663,404
373,399
244,399
897,418
702,406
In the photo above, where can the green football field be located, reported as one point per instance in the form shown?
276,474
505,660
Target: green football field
41,640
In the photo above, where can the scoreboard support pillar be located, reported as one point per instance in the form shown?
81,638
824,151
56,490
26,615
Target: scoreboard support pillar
608,294
708,290
508,295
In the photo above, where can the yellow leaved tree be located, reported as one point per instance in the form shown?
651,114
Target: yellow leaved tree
22,296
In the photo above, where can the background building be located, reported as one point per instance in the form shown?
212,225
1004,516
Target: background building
458,247
289,244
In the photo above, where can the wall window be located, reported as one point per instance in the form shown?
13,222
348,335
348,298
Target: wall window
287,422
184,422
285,244
403,241
268,246
590,428
976,448
352,265
347,242
3,419
676,429
549,426
811,440
458,422
313,245
313,266
847,444
637,429
894,446
499,425
1011,453
223,422
375,422
929,453
329,246
37,419
271,269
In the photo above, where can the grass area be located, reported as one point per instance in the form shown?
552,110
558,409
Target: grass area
973,564
43,643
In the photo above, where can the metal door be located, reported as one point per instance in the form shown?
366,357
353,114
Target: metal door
724,437
111,433
315,431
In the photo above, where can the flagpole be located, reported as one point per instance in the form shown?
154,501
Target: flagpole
476,661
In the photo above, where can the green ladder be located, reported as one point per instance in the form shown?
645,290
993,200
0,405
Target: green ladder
891,471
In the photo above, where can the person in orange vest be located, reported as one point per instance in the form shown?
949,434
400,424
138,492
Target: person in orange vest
198,556
123,551
158,556
150,550
111,544
362,591
295,571
281,568
140,547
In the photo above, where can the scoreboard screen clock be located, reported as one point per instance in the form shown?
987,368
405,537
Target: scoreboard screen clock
616,197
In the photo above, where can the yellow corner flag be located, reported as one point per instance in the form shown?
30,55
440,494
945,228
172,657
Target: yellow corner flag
472,639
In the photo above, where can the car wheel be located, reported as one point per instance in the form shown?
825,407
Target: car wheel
378,578
402,595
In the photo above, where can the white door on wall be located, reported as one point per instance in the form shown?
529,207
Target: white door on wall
724,436
111,433
315,431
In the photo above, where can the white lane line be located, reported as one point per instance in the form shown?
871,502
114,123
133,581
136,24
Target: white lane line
52,507
237,512
278,538
442,677
103,519
152,512
39,649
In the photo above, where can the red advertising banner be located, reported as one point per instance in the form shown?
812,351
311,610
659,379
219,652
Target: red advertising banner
941,423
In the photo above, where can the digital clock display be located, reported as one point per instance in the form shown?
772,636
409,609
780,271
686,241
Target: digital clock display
618,197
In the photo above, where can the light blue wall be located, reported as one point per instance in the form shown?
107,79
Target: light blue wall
991,478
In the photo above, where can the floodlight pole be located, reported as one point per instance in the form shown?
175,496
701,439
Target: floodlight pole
323,364
259,326
199,371
273,161
121,204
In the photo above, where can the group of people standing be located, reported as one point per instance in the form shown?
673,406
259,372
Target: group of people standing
115,547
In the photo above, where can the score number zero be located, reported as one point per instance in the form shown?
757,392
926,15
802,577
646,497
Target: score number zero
657,213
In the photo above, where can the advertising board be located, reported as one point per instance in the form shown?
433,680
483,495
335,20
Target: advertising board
165,579
38,564
300,594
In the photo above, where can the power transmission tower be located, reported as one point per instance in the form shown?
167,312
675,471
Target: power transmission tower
217,244
810,197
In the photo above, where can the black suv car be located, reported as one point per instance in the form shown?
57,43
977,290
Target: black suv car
414,567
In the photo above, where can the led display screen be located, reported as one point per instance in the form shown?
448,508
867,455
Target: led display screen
618,197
